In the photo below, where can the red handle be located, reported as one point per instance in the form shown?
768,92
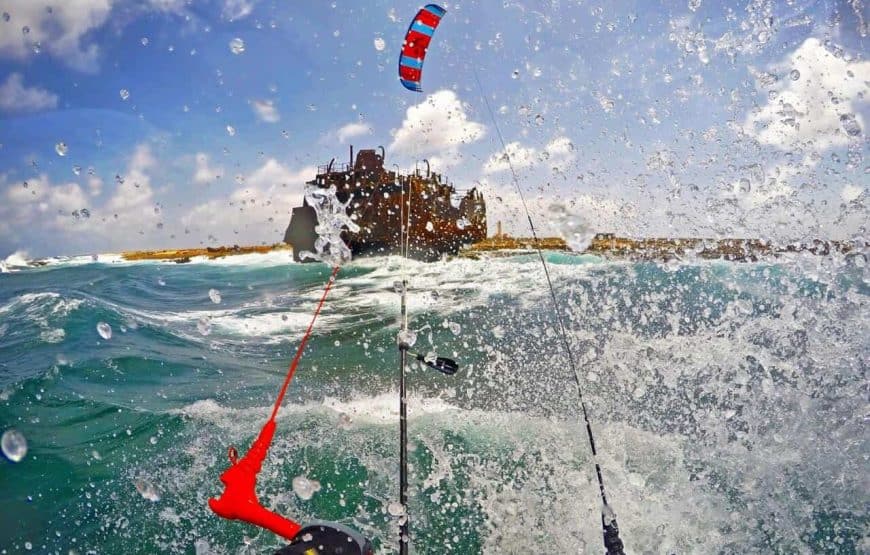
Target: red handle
239,500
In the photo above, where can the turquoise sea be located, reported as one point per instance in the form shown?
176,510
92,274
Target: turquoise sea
729,402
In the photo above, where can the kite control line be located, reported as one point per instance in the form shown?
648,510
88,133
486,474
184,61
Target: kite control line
239,500
612,542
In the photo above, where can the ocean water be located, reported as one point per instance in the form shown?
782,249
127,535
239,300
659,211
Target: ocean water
729,402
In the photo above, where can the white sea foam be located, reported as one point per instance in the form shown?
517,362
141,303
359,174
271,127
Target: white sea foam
272,258
45,310
15,261
550,481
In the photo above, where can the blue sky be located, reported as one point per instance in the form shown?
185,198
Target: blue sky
642,118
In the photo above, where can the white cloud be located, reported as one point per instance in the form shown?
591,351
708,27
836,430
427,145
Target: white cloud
438,125
237,9
257,212
59,32
273,175
574,217
168,6
95,185
852,192
520,157
15,97
266,110
809,110
132,208
759,185
38,200
205,173
354,129
558,151
58,207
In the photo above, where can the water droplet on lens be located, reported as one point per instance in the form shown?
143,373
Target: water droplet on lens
214,295
794,75
144,41
231,131
125,94
14,445
6,16
203,326
515,74
396,509
147,490
61,148
408,337
237,46
850,125
25,30
77,170
344,421
380,44
105,330
305,488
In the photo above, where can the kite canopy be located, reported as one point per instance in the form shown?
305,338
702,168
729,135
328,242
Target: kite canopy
416,42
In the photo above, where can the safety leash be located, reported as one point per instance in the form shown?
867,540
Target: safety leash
239,500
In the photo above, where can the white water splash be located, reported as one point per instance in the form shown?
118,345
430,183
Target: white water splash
332,220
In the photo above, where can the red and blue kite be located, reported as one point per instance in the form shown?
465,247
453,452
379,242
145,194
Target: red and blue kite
417,40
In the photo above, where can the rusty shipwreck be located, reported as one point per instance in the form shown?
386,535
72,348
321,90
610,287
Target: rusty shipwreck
440,219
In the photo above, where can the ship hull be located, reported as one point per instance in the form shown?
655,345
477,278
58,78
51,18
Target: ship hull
383,203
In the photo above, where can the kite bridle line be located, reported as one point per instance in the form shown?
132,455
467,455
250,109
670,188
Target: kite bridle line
608,518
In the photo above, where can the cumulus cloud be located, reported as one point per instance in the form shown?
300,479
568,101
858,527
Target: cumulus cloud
760,185
518,155
68,210
852,192
168,6
558,151
16,98
815,101
574,217
438,125
60,32
237,9
351,130
203,172
266,110
131,207
256,212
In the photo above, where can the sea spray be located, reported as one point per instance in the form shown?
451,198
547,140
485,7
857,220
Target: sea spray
332,220
723,392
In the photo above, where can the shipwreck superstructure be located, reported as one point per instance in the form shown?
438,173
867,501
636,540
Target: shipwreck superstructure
439,219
